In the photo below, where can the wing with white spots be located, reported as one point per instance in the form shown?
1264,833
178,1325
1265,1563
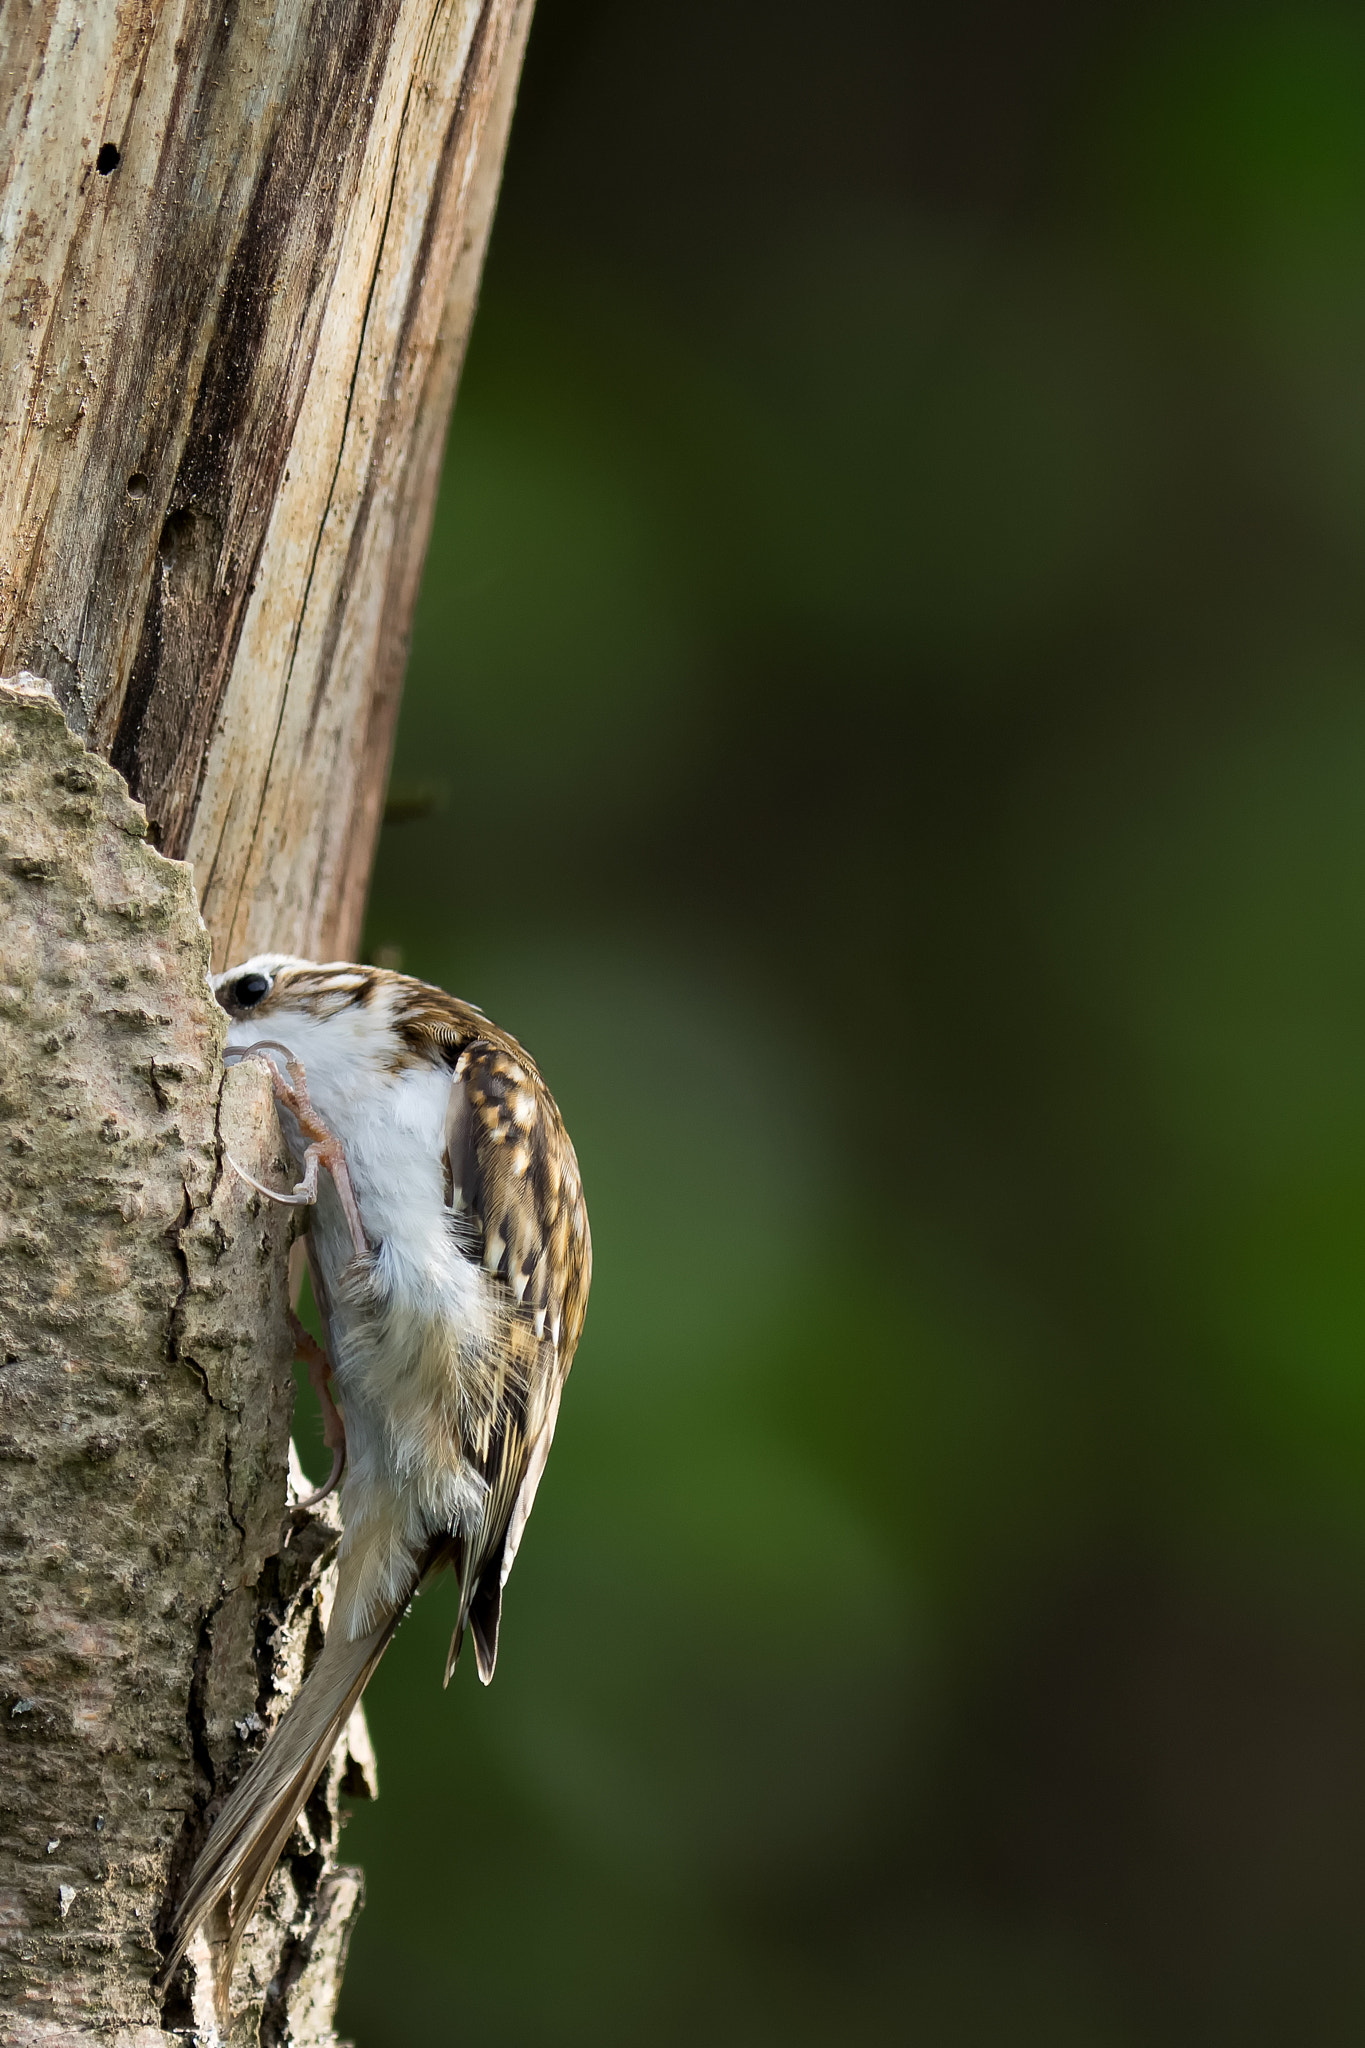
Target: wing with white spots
517,1201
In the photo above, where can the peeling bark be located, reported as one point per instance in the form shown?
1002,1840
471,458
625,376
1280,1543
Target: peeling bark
158,1601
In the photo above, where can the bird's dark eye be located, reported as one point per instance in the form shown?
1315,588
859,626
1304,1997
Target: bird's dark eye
250,989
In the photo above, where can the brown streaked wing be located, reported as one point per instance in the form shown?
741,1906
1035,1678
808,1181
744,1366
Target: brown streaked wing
514,1184
514,1171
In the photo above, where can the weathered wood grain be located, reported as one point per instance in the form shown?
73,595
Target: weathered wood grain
415,503
240,248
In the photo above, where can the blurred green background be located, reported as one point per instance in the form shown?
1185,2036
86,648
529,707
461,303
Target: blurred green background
886,729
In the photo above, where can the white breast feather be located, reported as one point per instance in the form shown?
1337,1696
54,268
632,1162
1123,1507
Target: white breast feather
413,1339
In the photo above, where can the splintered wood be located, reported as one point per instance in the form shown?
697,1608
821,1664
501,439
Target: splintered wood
240,248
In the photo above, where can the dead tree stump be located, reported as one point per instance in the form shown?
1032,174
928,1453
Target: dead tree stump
240,251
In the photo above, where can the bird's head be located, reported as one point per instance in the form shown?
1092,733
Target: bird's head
259,987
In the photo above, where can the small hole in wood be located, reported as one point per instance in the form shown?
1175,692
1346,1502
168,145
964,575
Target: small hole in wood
108,159
138,485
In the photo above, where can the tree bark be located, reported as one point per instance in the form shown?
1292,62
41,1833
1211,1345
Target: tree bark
241,251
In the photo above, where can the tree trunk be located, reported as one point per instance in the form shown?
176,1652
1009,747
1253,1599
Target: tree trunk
241,252
242,248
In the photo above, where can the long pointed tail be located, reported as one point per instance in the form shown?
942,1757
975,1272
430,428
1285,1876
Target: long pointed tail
249,1834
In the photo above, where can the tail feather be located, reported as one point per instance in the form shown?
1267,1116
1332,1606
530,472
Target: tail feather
480,1612
250,1833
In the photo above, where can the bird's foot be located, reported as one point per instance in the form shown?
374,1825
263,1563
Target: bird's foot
324,1149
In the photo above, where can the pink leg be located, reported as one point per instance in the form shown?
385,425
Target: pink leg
333,1428
325,1149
